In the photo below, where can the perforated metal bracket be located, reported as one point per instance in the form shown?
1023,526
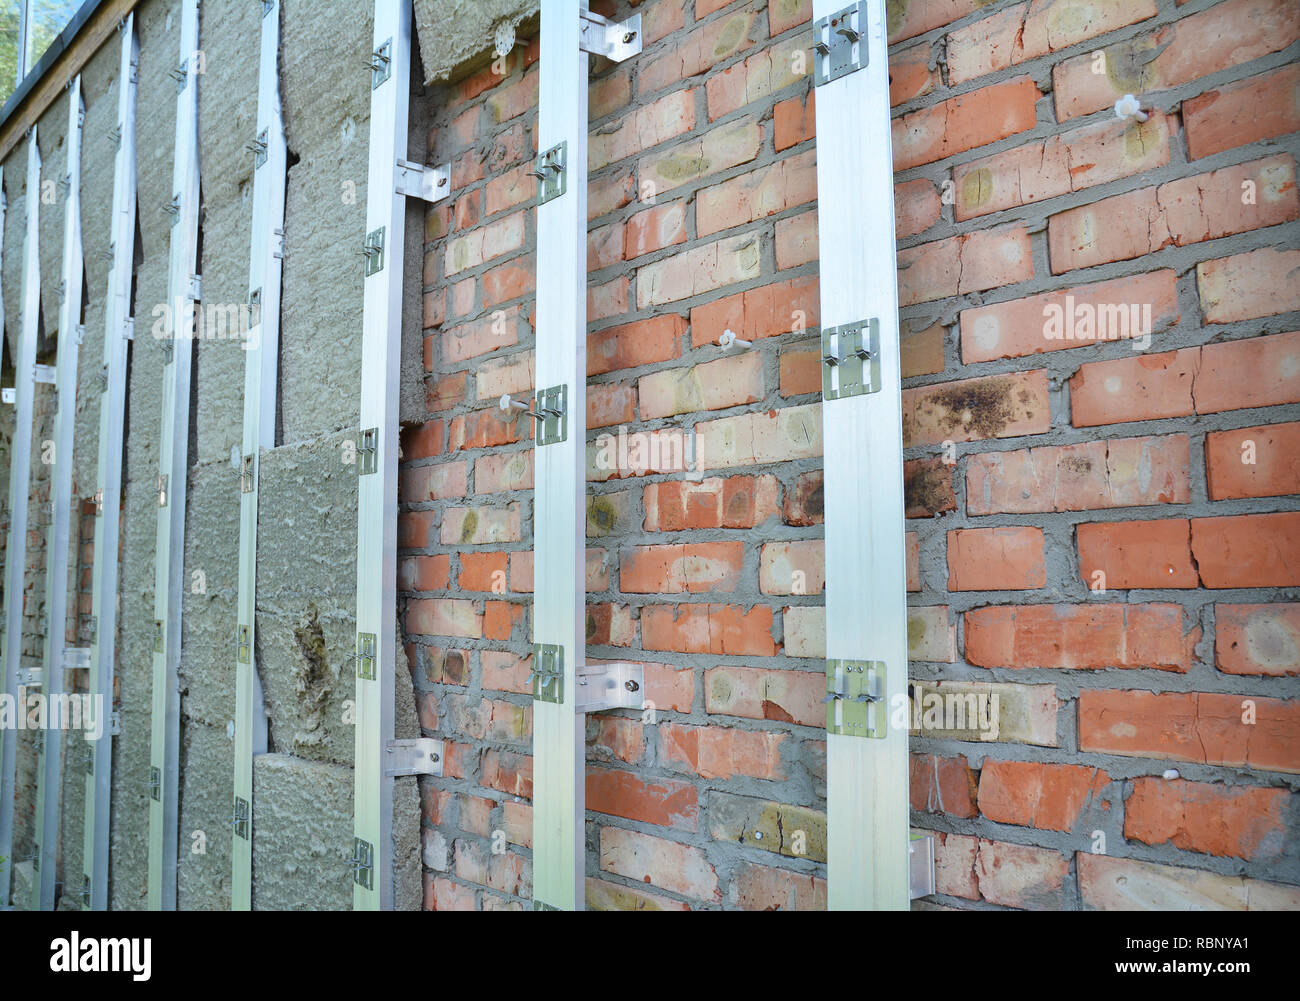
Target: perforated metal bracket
421,756
76,658
243,818
551,168
851,359
157,636
855,698
45,373
374,251
920,865
246,474
615,40
366,656
243,648
368,452
620,685
30,677
363,863
381,64
552,406
839,45
432,184
155,784
548,672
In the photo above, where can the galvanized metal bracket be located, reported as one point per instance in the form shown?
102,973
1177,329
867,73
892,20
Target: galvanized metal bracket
839,45
920,865
157,636
421,756
31,677
551,169
363,863
155,784
432,184
243,649
855,698
366,656
246,474
548,672
620,685
374,251
368,452
45,373
243,818
258,148
551,407
381,64
615,40
76,658
851,359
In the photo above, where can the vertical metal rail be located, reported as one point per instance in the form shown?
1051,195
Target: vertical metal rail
264,270
50,759
378,758
866,605
118,331
19,483
569,31
183,291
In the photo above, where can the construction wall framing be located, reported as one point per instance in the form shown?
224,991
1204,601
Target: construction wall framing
260,362
118,328
866,607
173,466
19,483
50,767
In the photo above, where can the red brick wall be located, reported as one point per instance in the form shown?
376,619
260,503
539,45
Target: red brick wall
1100,532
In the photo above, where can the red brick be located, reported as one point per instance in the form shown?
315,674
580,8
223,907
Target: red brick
421,441
764,888
1175,54
1193,726
716,150
1261,107
1184,211
1248,550
916,207
641,343
705,268
503,472
1026,31
801,369
1073,317
477,572
794,121
667,864
1144,387
927,488
413,528
418,484
507,772
942,785
681,569
1117,884
479,337
792,567
423,573
911,75
921,352
996,559
665,802
769,71
1244,286
655,228
1033,794
613,736
1021,875
995,406
1242,822
699,51
756,438
729,381
766,311
701,628
1137,554
804,502
1116,472
736,502
964,122
972,262
909,20
1059,164
1256,372
643,128
760,193
715,752
442,894
1253,462
1083,637
609,404
762,693
1257,639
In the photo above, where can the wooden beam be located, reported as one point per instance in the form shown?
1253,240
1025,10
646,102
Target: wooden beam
94,33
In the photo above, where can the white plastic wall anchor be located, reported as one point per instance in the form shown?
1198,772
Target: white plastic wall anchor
728,339
1128,106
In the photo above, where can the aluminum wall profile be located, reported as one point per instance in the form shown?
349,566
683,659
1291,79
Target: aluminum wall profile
50,759
19,482
559,514
183,292
118,326
260,360
866,605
